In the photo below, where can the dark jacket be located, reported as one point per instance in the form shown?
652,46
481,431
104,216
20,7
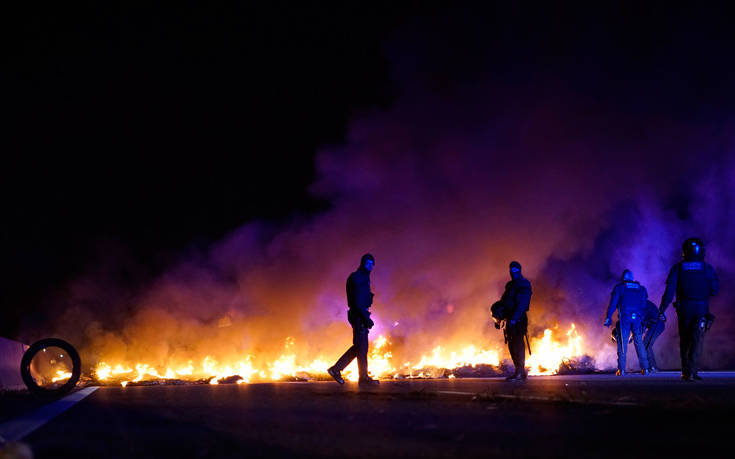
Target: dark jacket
627,297
651,315
693,282
359,296
516,299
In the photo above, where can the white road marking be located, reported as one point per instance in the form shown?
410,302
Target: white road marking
454,392
18,428
536,398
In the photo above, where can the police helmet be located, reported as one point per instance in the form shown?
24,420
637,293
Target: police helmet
627,275
693,249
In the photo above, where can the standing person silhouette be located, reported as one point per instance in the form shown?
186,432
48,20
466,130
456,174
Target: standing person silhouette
359,300
516,301
692,281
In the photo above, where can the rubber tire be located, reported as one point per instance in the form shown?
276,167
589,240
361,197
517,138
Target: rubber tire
25,366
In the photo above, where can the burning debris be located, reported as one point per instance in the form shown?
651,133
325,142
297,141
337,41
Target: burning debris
549,357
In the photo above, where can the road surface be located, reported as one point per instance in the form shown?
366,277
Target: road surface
561,416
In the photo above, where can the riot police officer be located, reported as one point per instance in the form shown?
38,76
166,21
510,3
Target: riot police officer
692,281
359,300
515,303
629,298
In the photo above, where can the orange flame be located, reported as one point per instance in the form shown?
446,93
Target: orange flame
548,355
61,375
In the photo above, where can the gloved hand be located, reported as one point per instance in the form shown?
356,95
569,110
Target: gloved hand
497,325
370,323
607,322
662,317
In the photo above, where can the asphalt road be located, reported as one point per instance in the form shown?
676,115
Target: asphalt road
562,416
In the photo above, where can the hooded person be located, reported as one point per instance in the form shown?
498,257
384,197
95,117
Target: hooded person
359,300
629,298
515,303
692,281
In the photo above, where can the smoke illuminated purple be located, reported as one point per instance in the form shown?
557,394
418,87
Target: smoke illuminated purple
445,189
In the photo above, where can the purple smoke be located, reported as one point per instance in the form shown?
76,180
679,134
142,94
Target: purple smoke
445,188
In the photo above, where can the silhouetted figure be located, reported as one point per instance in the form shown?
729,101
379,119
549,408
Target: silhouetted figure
515,302
359,300
653,326
629,298
692,281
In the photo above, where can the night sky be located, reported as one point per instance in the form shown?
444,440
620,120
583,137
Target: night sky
146,130
146,140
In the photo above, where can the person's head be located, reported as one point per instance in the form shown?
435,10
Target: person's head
515,270
627,275
693,249
367,262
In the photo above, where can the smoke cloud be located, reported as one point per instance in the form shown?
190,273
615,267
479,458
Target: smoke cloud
447,187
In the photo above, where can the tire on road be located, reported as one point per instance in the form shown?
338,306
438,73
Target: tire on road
25,367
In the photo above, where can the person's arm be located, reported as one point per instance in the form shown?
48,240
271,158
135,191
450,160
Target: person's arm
652,315
358,290
614,298
366,318
668,295
714,283
351,289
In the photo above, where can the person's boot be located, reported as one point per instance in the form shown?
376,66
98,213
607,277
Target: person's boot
653,370
620,373
334,373
514,377
696,376
687,377
368,381
645,372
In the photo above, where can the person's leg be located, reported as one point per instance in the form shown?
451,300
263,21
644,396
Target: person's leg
511,351
640,349
517,350
623,343
346,358
350,354
684,343
619,347
649,340
648,343
521,356
361,351
695,349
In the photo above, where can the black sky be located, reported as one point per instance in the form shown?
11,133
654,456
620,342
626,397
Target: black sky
154,128
148,129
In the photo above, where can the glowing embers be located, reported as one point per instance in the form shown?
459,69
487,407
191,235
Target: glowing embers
51,367
105,371
468,356
240,371
464,360
61,375
549,355
210,370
